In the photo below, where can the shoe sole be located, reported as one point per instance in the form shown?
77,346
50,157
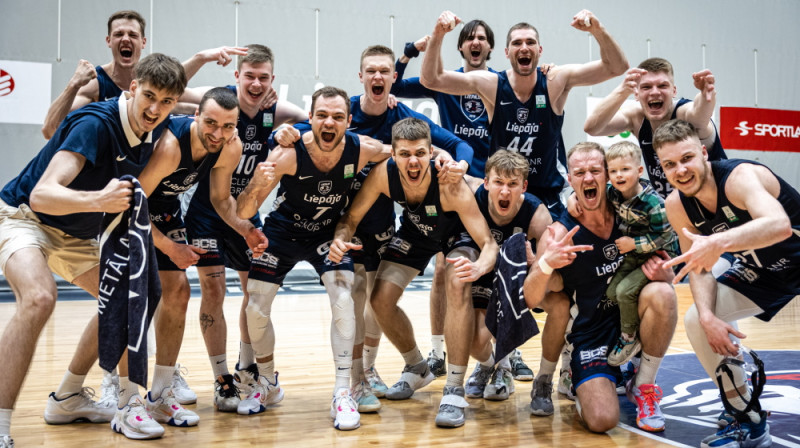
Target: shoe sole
524,377
541,412
369,408
65,420
450,423
346,428
263,407
133,435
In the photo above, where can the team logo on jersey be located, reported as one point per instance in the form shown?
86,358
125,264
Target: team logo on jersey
472,106
541,102
325,186
729,214
250,133
190,178
611,251
719,228
498,236
522,115
414,218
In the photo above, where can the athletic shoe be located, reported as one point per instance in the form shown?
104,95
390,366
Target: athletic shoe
226,395
541,396
367,401
134,422
344,411
245,379
500,386
6,442
451,408
648,411
627,375
264,393
565,384
437,365
109,391
413,378
741,435
375,382
624,351
476,383
520,370
76,407
167,409
725,419
180,389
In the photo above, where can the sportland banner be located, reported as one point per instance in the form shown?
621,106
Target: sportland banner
754,129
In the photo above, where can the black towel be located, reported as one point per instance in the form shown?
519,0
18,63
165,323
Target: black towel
129,286
507,316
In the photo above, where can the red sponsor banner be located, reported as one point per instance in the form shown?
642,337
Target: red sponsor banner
756,129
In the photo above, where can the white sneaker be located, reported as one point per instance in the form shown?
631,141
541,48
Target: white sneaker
264,393
6,442
226,396
109,391
245,379
167,409
565,384
134,422
344,411
76,407
180,388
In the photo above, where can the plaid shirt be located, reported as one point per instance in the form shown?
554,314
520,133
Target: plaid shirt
644,218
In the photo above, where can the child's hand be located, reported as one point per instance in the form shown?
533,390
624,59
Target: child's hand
625,244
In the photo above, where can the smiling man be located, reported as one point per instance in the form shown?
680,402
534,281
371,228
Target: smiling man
525,108
653,85
50,217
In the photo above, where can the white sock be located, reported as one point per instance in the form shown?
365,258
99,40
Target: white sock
267,370
437,345
357,371
5,422
71,384
505,363
455,375
219,364
370,353
413,356
546,368
162,379
489,363
246,355
647,369
127,389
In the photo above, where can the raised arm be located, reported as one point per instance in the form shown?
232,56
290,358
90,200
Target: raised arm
266,177
82,89
222,56
609,116
433,75
410,87
700,111
288,113
372,150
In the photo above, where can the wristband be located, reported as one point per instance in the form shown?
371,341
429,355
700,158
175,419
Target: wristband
410,51
544,267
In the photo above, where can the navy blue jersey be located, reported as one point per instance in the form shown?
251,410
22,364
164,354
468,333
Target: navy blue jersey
188,172
254,133
586,280
519,223
531,129
426,218
310,201
755,267
463,115
654,171
97,133
106,87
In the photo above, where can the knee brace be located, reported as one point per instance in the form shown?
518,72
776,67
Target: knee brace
259,322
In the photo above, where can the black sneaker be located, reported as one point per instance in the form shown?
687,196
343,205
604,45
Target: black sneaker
520,370
437,365
226,394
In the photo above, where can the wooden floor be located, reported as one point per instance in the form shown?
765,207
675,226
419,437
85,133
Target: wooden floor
304,360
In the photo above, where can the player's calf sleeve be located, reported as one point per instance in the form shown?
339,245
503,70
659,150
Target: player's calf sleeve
259,322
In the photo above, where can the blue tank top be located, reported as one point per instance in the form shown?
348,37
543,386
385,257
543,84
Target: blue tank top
311,201
463,115
519,223
94,131
188,172
654,171
254,133
531,129
586,280
107,89
775,258
426,219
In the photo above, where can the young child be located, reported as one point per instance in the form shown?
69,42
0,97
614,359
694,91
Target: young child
643,220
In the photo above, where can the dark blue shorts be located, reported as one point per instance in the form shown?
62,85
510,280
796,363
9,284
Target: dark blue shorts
224,245
374,245
552,200
285,252
590,355
412,249
771,291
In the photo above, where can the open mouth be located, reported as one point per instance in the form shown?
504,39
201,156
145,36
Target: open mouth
413,174
475,53
524,61
377,90
126,52
658,104
254,95
685,181
590,193
504,204
327,137
149,119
